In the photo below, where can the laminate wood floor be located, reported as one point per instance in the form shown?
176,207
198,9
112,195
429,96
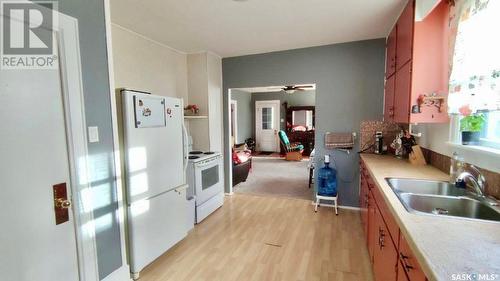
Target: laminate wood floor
264,238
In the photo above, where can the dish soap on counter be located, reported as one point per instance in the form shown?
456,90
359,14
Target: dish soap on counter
456,167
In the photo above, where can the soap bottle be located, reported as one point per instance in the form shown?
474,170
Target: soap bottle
457,166
454,168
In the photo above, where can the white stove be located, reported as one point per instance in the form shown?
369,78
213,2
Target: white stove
197,156
205,176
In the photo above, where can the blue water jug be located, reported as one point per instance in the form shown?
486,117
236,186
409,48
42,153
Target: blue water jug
327,180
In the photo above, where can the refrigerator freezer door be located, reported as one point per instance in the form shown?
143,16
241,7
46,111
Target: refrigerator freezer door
154,155
155,225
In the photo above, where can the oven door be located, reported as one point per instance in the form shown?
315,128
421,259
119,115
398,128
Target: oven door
208,177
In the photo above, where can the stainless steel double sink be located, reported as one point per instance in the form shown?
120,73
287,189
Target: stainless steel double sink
442,199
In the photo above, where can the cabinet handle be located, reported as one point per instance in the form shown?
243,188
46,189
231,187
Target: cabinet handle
404,259
391,111
381,238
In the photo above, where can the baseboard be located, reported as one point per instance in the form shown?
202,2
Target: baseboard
350,208
121,274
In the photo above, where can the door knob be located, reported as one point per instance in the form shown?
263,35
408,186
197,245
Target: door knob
62,203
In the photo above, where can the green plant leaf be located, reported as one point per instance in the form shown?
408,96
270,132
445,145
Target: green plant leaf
472,123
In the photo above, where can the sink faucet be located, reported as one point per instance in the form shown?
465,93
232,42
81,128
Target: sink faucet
478,181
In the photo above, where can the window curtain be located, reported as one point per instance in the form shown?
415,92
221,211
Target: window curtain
474,83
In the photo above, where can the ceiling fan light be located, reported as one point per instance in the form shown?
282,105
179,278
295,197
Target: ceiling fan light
289,91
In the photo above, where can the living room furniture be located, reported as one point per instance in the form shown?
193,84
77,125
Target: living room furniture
299,129
293,150
241,171
242,163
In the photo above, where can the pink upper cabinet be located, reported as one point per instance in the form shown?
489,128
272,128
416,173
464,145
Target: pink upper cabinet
390,64
389,99
404,45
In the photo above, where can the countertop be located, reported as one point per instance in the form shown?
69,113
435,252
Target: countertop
444,246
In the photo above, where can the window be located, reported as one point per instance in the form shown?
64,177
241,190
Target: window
267,118
474,86
490,136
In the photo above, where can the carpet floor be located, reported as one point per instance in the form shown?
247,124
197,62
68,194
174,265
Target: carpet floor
277,177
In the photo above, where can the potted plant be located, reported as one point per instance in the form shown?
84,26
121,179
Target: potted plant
471,126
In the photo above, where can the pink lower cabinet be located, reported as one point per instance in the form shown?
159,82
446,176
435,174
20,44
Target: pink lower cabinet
389,252
408,262
385,256
401,273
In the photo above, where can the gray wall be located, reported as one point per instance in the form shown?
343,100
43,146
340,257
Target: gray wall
296,99
91,24
349,81
245,115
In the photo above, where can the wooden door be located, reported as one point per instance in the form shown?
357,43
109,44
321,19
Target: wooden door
385,253
389,98
402,94
404,45
390,63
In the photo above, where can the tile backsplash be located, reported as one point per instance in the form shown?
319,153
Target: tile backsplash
440,161
367,136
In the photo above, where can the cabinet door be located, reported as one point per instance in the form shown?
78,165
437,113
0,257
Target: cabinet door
404,45
409,262
385,254
362,197
402,94
390,63
389,98
372,233
401,273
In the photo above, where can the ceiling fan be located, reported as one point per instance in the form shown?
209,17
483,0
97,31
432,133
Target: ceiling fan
293,88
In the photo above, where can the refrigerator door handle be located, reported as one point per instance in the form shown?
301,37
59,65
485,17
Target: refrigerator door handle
186,140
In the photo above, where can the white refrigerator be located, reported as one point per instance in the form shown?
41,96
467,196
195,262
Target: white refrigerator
155,165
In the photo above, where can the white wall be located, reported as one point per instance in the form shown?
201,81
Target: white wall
143,64
198,94
435,138
205,90
214,67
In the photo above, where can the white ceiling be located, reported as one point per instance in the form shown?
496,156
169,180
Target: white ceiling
233,28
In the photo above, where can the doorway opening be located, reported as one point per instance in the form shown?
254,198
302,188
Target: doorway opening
271,140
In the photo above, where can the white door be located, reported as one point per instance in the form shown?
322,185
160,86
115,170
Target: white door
37,106
267,125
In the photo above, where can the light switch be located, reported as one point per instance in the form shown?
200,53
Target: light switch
93,134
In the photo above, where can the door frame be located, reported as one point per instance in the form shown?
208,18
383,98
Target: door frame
234,125
122,273
78,151
70,69
277,121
